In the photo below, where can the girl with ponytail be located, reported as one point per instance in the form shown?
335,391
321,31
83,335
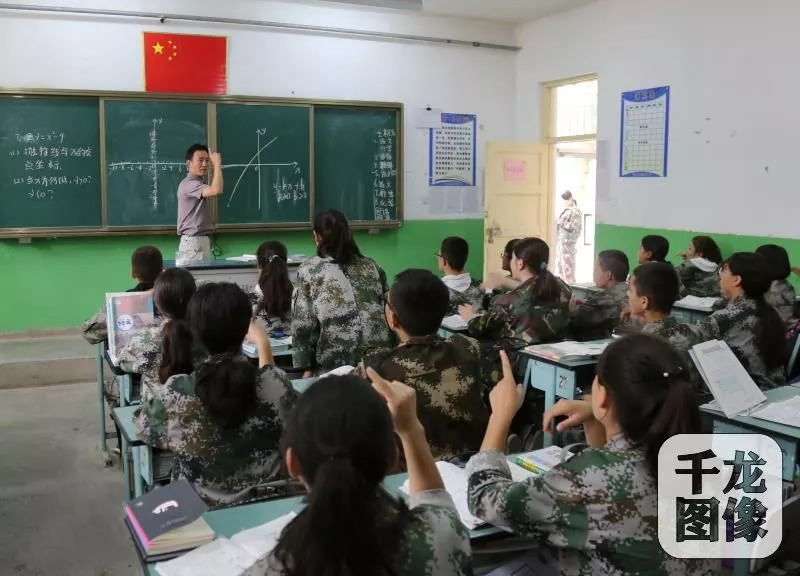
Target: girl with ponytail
749,325
224,421
340,442
596,513
272,295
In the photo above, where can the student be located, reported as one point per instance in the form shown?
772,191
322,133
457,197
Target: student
596,513
338,304
446,374
452,260
340,443
272,295
653,249
144,353
699,271
536,311
146,265
505,257
597,317
781,295
752,328
224,421
498,282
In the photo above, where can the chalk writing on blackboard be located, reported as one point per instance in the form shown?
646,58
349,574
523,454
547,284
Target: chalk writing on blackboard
384,172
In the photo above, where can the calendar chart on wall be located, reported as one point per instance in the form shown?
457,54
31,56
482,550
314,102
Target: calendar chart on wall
644,133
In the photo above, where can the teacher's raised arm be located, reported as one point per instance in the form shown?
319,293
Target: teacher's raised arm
195,224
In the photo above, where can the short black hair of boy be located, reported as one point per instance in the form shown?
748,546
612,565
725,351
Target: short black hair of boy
455,252
147,263
658,246
777,260
616,262
195,148
420,299
658,282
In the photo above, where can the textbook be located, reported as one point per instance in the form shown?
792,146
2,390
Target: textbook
541,461
127,314
697,303
278,345
168,520
734,390
573,350
235,557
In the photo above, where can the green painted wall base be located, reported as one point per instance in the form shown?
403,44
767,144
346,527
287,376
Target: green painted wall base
59,283
628,239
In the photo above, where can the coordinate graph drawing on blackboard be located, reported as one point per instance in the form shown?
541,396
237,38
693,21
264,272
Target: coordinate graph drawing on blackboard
265,157
644,133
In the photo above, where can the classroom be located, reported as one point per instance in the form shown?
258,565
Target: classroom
593,133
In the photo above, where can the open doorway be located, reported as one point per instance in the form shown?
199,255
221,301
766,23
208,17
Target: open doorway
571,131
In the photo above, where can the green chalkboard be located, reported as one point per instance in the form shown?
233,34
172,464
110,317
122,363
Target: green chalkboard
146,144
49,167
356,161
265,159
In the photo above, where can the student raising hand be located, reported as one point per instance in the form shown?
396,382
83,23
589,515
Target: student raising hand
505,399
401,400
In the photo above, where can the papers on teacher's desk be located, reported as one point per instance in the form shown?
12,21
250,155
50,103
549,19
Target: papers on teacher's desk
734,390
455,483
235,557
455,323
242,258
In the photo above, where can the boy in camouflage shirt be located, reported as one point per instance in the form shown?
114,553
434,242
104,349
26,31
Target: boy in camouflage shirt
599,315
452,260
446,374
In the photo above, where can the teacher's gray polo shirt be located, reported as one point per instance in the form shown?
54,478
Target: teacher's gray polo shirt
194,211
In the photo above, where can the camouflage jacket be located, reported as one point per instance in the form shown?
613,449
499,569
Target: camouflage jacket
436,542
142,355
338,314
270,323
94,330
447,377
599,315
737,325
697,282
782,297
570,225
472,295
516,318
223,465
595,514
681,337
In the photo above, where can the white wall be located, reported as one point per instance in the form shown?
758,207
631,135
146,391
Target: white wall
733,159
91,53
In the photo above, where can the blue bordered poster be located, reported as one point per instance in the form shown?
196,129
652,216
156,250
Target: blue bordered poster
644,134
452,151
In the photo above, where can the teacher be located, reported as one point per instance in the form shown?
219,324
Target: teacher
195,224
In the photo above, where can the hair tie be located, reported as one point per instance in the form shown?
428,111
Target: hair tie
678,371
543,266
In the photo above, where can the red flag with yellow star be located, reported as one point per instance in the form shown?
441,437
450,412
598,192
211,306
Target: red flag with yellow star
185,63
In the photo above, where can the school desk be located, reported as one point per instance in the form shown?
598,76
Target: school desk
245,274
562,378
123,416
125,382
787,437
685,314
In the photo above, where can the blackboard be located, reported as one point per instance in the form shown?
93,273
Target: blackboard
146,146
266,157
49,165
356,161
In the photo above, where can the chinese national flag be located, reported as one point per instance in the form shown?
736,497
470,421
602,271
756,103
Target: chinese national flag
185,63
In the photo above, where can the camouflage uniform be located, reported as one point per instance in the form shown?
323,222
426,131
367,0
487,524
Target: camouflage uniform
569,225
224,465
697,282
737,325
595,514
142,355
436,542
599,315
782,297
681,337
472,296
270,323
447,377
518,316
338,314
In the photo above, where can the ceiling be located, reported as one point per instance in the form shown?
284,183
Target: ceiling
514,11
506,10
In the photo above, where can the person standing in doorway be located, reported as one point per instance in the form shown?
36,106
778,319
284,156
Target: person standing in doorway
569,227
195,224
